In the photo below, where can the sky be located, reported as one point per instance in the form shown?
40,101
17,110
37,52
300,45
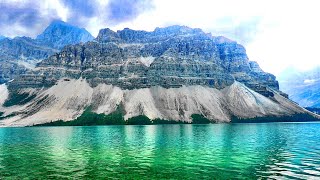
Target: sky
277,34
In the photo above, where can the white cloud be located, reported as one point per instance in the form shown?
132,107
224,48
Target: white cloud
61,10
289,37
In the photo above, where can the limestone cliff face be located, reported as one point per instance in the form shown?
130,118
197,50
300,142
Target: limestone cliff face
169,57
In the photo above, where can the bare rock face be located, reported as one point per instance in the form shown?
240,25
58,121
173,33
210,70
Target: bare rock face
168,57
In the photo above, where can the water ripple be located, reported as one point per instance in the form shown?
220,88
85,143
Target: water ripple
219,151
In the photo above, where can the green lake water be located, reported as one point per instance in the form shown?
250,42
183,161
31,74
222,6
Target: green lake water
215,151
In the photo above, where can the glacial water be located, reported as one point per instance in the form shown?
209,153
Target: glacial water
217,151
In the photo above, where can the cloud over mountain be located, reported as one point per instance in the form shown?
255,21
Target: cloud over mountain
28,18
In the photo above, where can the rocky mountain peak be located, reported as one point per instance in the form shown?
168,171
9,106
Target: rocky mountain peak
58,22
2,37
59,34
177,29
107,35
222,40
128,35
131,35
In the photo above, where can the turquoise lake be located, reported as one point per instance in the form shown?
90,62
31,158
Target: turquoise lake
214,151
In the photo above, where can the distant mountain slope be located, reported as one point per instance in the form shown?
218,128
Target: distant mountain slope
59,34
24,48
20,53
16,53
314,110
2,37
302,86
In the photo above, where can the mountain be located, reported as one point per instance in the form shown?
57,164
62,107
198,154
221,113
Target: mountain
314,110
2,37
59,34
24,48
17,55
170,57
302,86
175,73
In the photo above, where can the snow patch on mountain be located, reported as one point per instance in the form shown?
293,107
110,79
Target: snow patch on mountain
147,60
4,93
